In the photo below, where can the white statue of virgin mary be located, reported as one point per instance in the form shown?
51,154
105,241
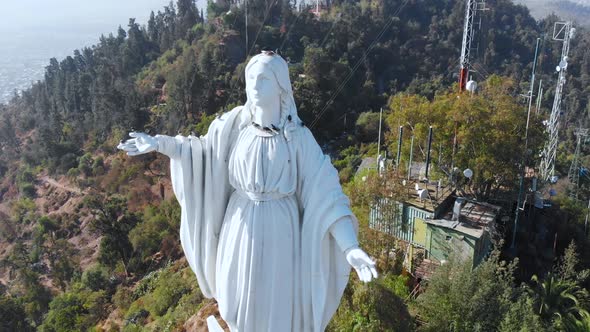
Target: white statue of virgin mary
265,225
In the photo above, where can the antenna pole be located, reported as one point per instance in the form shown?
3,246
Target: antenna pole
411,153
471,7
428,152
399,146
379,138
525,152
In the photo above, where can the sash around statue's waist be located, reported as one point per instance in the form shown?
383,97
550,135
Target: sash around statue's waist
261,197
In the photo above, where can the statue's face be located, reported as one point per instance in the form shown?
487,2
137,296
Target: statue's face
261,86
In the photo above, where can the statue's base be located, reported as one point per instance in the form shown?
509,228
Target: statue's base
206,320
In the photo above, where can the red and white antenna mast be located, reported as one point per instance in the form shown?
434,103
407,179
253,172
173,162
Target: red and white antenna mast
471,8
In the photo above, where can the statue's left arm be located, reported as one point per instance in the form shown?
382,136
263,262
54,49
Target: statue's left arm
342,230
329,246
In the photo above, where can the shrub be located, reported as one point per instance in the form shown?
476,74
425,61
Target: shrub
84,164
66,162
23,210
76,310
12,315
96,278
25,180
28,190
123,298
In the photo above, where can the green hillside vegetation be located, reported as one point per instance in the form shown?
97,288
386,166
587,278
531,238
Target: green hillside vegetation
89,238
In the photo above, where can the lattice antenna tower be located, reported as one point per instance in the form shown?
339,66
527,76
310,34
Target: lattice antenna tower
562,31
471,9
574,173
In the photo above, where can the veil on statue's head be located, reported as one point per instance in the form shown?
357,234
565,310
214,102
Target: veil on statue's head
289,118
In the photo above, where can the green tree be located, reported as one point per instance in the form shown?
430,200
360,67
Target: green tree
459,299
76,310
561,302
113,222
367,127
27,287
521,316
12,315
487,128
569,264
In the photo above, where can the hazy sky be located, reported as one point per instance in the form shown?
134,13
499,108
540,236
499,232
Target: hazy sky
79,14
33,31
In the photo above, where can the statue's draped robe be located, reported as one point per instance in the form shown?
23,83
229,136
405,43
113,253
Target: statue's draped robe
201,183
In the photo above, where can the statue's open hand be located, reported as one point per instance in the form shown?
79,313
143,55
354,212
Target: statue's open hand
140,143
362,264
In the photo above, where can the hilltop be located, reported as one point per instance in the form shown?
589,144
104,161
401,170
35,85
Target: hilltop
89,237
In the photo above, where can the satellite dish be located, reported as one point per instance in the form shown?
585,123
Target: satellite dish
468,173
558,69
572,32
563,63
423,194
471,86
554,179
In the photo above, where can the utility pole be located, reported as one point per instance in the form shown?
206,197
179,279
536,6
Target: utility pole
246,26
399,147
428,151
562,31
379,138
574,172
471,8
410,162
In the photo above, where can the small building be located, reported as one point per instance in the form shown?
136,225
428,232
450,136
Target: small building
425,221
468,238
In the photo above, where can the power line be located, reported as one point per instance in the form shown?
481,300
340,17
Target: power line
233,88
357,65
290,28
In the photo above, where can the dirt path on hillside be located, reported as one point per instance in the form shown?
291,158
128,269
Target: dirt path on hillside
52,182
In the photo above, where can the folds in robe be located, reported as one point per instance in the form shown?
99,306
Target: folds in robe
199,172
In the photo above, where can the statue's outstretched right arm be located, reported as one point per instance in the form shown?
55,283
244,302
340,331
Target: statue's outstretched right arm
141,143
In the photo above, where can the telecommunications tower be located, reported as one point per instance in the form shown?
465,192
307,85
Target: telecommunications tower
471,8
562,31
574,173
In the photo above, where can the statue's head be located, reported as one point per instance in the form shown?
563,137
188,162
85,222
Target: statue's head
268,84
